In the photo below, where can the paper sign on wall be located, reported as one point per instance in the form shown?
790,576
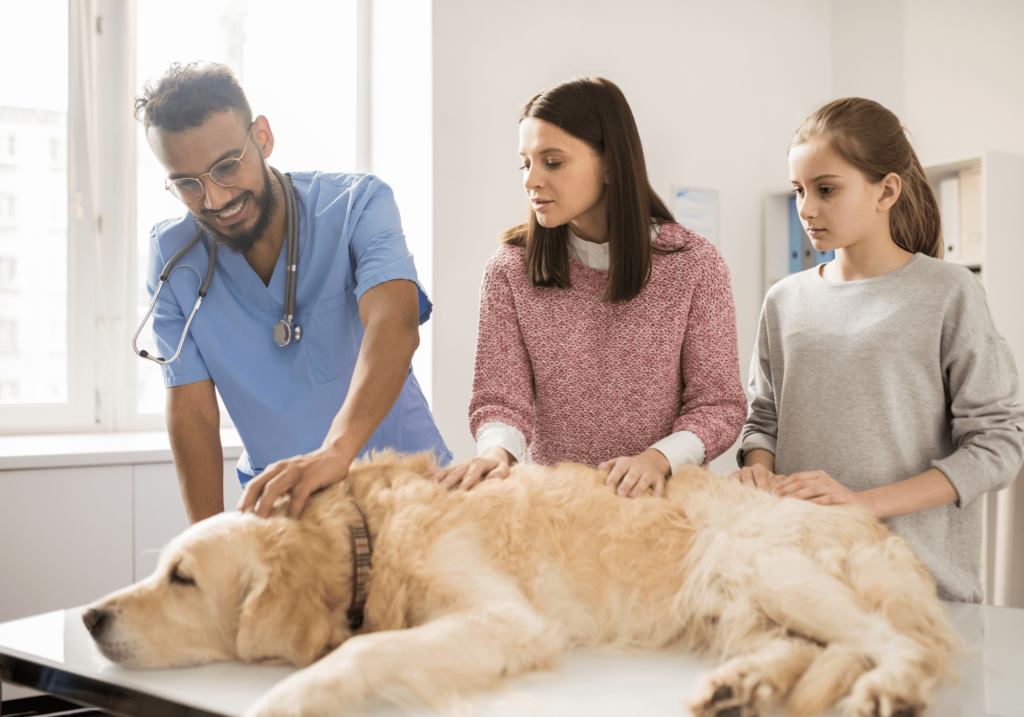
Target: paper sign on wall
697,210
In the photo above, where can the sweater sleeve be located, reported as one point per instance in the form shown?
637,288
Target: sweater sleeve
501,435
762,425
986,418
713,403
503,389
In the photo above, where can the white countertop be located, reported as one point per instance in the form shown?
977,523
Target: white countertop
65,450
590,682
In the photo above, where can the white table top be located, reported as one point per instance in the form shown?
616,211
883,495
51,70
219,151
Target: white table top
54,653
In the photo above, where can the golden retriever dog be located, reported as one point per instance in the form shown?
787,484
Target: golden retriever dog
807,607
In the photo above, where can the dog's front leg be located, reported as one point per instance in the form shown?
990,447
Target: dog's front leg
433,664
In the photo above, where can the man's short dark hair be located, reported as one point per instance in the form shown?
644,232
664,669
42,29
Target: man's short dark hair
188,94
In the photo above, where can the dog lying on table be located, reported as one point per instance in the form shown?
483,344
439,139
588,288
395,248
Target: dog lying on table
807,606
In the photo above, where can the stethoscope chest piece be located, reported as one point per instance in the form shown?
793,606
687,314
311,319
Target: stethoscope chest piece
285,332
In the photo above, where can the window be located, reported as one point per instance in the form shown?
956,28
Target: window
9,391
72,284
57,338
8,336
8,269
250,38
34,239
7,204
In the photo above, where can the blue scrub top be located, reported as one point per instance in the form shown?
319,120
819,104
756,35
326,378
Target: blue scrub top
283,400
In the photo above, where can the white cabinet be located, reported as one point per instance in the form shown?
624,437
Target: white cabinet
65,537
1000,261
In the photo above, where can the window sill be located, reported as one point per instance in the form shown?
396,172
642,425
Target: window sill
72,450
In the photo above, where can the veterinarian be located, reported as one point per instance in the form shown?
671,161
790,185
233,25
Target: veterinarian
878,378
310,318
607,332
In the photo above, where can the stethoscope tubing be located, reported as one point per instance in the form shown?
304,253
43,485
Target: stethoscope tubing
291,272
292,257
152,303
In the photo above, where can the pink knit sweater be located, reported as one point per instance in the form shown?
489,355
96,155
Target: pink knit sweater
586,381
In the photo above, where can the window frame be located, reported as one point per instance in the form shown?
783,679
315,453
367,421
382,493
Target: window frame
100,231
78,413
102,261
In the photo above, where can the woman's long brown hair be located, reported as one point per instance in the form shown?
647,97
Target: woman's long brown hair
595,110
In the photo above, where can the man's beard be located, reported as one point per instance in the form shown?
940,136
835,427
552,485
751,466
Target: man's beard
266,204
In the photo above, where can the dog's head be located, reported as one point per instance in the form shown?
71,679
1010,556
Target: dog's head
232,587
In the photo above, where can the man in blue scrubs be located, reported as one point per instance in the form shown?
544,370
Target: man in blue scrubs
307,409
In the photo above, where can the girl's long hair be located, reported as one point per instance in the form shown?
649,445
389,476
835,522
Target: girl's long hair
594,110
871,138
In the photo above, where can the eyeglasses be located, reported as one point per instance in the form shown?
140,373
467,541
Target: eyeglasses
227,173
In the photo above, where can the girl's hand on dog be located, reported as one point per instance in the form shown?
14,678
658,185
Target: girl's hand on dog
757,476
494,463
635,474
817,487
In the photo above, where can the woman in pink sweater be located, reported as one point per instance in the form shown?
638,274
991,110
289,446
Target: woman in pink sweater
607,332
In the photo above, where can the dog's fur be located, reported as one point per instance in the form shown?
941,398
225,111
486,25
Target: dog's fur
808,606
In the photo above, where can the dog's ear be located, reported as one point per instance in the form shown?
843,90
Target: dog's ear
285,614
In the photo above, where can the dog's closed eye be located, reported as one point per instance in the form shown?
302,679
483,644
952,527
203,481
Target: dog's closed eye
179,578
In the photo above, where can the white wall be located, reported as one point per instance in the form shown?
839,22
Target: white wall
867,51
964,77
953,71
400,136
717,89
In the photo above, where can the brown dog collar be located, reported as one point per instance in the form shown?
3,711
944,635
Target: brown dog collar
362,551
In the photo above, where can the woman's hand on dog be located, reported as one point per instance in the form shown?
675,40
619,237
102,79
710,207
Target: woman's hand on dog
494,463
635,474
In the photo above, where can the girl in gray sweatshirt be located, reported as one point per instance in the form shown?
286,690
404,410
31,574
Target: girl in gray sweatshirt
878,378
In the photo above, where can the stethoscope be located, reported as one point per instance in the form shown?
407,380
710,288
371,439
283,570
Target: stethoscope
285,330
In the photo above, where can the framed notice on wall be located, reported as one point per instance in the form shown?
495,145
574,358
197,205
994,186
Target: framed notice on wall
697,210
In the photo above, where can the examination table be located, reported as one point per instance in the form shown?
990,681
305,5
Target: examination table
54,653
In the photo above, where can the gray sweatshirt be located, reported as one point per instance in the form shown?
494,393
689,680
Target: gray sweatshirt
878,380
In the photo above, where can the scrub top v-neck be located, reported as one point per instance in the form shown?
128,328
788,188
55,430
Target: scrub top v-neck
282,399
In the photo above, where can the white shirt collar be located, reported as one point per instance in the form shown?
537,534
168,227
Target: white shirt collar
587,252
595,255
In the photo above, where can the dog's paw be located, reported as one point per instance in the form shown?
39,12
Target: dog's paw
884,693
731,691
306,693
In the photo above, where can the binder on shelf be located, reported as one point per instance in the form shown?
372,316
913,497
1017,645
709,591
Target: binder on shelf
949,209
801,251
970,217
796,246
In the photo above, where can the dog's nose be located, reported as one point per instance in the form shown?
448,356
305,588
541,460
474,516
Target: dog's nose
94,620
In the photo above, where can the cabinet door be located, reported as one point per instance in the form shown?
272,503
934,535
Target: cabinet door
160,513
65,537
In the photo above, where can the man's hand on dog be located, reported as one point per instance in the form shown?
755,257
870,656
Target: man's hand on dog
494,463
299,476
635,474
